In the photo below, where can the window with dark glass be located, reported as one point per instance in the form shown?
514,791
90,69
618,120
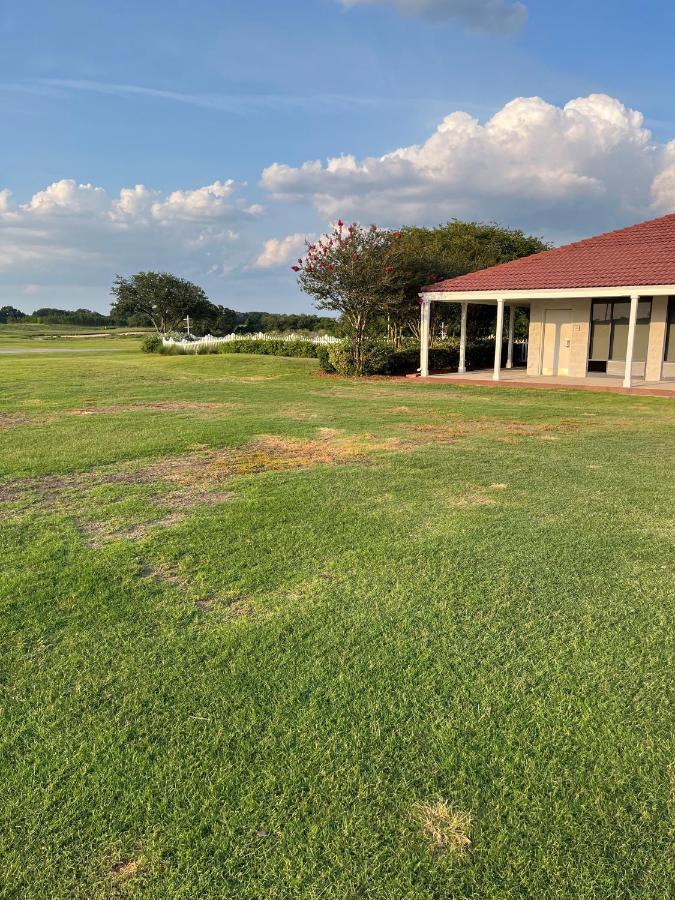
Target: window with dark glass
609,332
670,332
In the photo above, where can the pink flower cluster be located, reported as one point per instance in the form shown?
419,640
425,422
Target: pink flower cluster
315,252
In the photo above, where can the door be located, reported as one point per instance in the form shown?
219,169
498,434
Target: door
557,343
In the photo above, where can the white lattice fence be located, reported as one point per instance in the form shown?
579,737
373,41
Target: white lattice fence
208,339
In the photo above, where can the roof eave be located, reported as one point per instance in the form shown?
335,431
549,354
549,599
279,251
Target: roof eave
580,293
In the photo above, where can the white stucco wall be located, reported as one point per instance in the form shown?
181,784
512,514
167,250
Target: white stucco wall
657,339
581,319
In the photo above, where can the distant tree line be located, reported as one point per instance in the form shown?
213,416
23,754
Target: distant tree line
213,318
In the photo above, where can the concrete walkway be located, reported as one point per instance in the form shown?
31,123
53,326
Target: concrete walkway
520,378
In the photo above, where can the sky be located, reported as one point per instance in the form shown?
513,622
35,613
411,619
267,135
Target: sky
211,139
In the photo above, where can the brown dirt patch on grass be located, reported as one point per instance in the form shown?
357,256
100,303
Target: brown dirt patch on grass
127,868
447,829
16,419
237,608
97,534
464,496
10,420
182,483
170,406
474,496
509,431
161,574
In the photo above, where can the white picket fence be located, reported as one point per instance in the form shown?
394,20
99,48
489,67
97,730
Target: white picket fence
209,340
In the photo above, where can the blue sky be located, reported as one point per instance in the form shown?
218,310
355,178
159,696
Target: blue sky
226,113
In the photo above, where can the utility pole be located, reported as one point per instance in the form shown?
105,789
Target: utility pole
187,319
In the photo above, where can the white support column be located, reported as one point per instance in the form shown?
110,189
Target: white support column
627,378
512,322
461,369
425,322
499,334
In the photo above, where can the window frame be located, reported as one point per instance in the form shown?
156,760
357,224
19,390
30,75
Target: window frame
670,327
611,319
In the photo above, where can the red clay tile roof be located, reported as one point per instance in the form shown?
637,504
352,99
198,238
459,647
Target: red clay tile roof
642,254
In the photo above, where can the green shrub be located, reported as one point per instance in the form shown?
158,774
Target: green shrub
151,343
323,355
375,358
404,362
443,355
299,348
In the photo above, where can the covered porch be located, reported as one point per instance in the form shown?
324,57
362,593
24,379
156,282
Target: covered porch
425,333
573,340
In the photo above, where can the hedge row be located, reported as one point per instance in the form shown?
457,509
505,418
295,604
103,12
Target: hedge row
300,348
387,361
383,359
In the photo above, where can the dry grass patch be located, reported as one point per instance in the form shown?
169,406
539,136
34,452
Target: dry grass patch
508,432
182,483
17,419
161,574
427,412
197,478
170,406
297,412
465,496
10,420
473,497
98,533
125,868
447,829
236,608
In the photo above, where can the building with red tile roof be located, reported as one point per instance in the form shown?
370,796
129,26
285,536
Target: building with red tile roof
601,305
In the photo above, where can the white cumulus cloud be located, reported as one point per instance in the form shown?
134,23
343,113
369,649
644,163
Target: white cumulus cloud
663,188
588,164
279,251
499,16
67,196
212,201
75,231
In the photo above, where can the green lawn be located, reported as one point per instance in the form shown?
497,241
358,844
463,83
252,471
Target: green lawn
254,620
30,335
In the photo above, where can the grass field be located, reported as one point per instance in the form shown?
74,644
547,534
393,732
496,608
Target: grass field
21,334
268,635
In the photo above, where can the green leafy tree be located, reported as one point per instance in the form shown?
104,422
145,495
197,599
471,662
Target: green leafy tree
164,298
10,314
352,271
427,255
224,320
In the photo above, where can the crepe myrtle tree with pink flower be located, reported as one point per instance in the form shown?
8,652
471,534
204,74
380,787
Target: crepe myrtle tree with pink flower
352,270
